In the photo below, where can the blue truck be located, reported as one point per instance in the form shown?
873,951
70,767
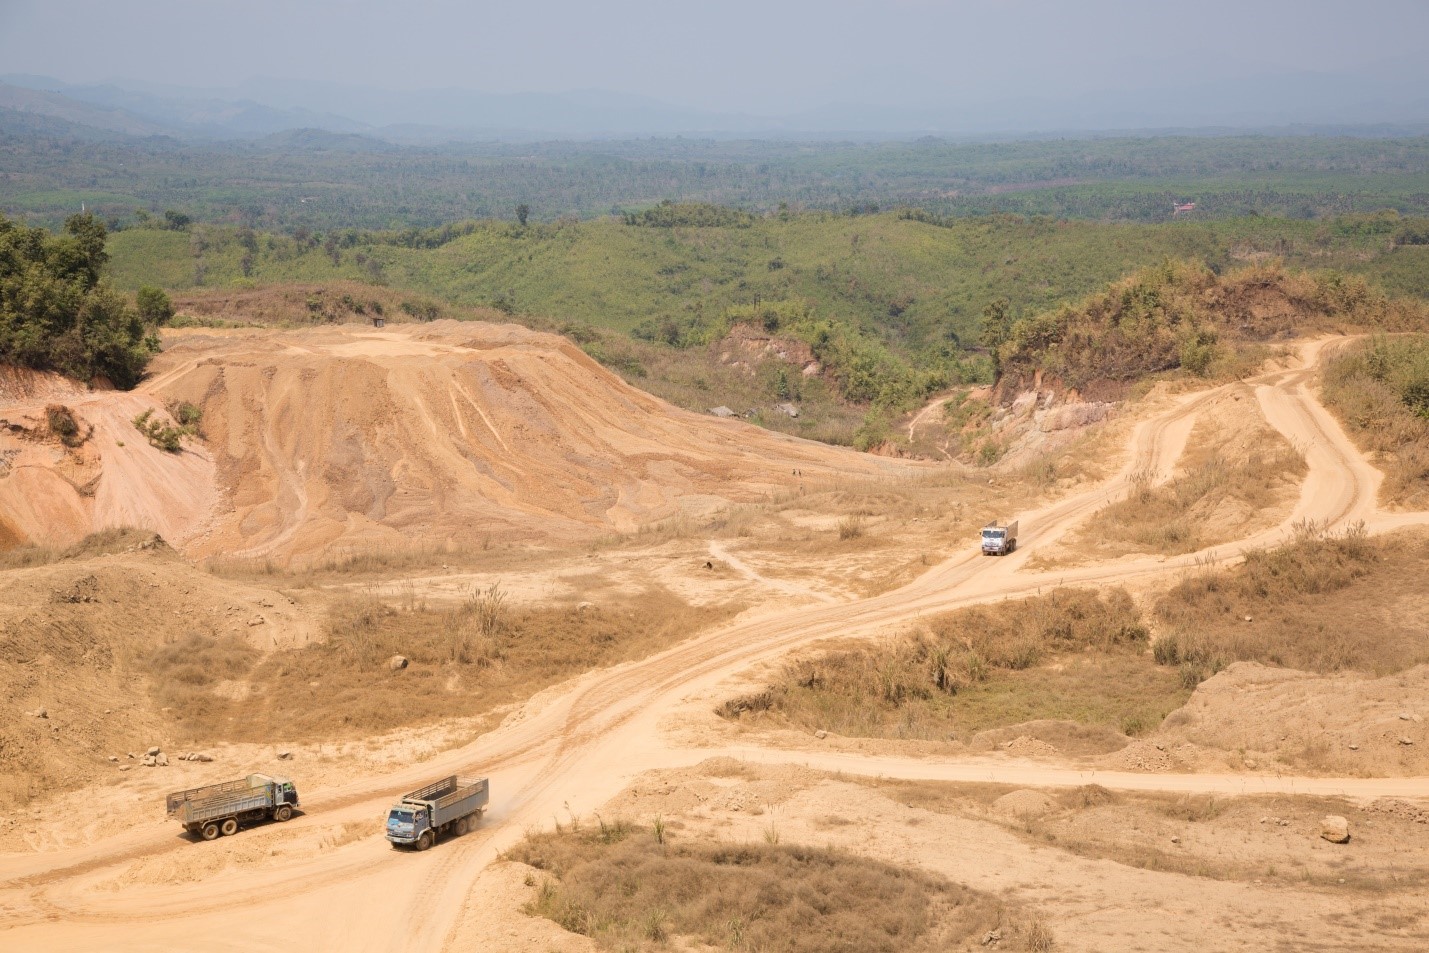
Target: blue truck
221,808
453,804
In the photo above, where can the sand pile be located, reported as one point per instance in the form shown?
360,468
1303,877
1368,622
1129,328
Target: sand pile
349,439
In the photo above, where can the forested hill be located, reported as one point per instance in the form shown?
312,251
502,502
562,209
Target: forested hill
920,283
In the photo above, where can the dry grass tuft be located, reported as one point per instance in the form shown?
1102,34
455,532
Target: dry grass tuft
636,893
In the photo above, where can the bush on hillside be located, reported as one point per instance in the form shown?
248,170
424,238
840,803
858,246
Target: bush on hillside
670,214
1182,315
55,312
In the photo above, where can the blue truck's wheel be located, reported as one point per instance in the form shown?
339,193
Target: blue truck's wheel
209,831
426,840
229,827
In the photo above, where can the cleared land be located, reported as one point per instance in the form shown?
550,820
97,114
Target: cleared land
586,745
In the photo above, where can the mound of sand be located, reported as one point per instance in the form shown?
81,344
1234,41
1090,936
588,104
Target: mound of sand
73,639
343,439
1346,723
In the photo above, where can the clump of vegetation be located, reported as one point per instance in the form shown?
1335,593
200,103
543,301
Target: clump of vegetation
1179,315
57,314
638,891
169,436
62,424
671,214
1380,388
981,668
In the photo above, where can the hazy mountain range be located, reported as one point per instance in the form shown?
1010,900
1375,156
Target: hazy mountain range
1392,97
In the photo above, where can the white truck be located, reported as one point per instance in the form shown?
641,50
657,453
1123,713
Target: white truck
999,539
451,804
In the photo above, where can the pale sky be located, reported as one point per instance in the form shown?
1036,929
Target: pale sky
753,56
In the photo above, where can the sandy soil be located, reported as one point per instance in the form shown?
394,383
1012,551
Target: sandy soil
321,882
341,439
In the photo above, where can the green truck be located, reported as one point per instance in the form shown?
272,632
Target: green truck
221,808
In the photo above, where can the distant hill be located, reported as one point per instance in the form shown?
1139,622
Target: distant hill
39,103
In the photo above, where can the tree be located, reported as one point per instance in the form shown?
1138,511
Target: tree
523,211
57,314
154,305
996,329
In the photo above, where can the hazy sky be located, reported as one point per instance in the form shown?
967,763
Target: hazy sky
757,56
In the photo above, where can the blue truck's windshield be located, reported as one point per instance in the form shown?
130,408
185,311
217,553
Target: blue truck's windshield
404,816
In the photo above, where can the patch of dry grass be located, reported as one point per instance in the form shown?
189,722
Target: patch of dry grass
1073,655
102,543
1231,480
463,661
629,891
1319,604
1380,389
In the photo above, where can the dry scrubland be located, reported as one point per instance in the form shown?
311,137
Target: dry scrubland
1106,668
1380,389
730,855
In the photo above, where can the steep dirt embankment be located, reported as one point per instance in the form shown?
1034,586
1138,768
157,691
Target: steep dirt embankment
55,490
451,434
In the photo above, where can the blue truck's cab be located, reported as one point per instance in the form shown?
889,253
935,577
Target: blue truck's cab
406,823
451,805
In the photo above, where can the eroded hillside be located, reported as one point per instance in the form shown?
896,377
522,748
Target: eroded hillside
347,439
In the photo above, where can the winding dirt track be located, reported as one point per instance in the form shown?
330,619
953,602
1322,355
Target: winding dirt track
569,751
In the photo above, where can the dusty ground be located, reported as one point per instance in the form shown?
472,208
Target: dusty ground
332,440
1103,872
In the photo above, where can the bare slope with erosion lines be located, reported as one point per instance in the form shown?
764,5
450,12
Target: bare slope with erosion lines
348,438
572,750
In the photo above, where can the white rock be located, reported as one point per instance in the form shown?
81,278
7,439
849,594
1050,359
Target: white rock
1335,829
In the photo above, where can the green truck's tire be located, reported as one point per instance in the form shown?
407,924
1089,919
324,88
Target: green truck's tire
209,831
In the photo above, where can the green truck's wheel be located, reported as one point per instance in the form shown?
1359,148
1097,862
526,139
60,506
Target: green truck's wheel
209,831
229,827
282,812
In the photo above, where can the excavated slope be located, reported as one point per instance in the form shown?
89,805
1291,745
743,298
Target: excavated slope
353,439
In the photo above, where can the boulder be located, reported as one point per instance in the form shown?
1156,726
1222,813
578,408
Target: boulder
1335,829
153,751
397,662
161,760
285,755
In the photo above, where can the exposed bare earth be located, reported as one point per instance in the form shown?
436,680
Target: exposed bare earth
338,440
326,881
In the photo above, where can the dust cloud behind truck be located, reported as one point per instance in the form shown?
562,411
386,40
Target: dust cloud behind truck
452,804
999,539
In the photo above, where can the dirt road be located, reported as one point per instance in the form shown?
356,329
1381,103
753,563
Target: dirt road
569,751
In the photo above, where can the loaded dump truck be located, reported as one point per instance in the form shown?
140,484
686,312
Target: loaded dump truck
999,539
451,804
220,808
